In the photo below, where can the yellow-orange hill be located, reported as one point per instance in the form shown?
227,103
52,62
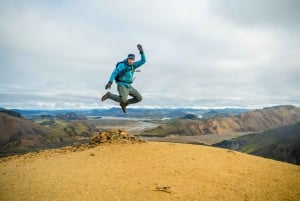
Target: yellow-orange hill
146,171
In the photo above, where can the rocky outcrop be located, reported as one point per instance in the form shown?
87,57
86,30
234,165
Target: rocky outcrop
114,136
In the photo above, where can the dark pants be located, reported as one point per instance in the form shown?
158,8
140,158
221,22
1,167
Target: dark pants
123,94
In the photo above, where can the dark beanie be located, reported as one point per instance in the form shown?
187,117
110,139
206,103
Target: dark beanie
131,56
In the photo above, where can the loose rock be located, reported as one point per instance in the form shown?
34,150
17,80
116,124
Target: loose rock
114,136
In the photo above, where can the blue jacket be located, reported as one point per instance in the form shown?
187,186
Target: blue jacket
126,79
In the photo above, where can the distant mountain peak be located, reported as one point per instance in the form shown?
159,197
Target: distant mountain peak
70,116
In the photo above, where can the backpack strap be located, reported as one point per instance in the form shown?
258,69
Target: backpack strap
123,72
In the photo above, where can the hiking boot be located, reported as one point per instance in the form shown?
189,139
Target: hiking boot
105,96
123,106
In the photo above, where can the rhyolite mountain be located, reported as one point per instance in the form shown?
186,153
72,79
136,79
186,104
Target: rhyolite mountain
18,134
280,144
254,121
11,112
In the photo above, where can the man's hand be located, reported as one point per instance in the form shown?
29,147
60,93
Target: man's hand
139,46
108,85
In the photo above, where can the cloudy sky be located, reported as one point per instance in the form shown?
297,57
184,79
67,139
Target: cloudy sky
204,53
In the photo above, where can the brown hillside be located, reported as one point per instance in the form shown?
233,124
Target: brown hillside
19,133
281,143
255,121
147,171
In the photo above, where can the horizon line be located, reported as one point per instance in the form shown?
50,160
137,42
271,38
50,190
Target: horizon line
159,107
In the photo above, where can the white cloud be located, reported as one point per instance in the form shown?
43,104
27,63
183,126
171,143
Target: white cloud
199,53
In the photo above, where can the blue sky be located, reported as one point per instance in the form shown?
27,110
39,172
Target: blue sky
207,53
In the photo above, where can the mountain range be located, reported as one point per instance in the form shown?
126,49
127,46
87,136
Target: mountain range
18,134
145,113
254,121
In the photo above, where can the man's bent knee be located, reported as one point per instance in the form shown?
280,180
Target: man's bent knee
139,98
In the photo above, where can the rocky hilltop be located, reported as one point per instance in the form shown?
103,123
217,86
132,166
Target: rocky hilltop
254,121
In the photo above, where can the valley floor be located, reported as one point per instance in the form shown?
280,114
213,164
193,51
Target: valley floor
146,171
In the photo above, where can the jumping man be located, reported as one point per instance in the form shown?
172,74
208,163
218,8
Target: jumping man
123,75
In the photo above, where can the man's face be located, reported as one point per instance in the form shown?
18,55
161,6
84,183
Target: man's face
130,61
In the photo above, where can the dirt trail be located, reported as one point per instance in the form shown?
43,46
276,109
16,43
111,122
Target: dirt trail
146,171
